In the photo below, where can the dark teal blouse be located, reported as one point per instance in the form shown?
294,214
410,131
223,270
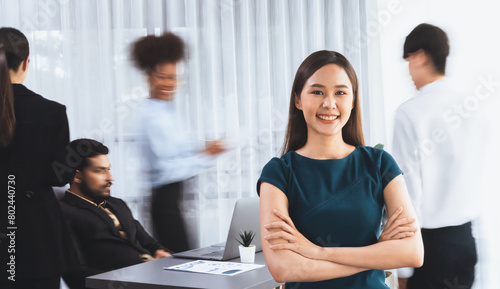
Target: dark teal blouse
336,203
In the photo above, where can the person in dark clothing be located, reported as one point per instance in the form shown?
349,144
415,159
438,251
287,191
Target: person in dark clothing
104,232
32,131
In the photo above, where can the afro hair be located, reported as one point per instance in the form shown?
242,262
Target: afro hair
149,51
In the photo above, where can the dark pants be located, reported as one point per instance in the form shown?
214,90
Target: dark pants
168,223
449,259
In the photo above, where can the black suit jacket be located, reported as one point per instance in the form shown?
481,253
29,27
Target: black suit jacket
99,245
41,132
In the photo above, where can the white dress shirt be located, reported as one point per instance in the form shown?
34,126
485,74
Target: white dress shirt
439,138
171,154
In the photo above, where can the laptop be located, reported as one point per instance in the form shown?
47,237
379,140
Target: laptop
245,217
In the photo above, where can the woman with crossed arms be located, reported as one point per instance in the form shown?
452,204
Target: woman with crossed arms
321,203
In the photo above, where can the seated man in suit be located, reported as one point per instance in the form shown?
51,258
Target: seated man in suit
105,234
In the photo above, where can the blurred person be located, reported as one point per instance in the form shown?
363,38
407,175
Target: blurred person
171,155
32,131
321,203
105,234
437,143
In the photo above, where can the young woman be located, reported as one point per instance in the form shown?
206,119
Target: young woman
322,201
33,130
170,154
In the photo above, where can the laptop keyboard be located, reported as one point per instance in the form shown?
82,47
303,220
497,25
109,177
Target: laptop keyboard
214,254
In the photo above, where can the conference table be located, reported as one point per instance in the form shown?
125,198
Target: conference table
151,275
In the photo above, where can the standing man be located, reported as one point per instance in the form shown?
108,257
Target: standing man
438,145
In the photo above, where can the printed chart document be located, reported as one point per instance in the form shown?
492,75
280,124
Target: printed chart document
214,267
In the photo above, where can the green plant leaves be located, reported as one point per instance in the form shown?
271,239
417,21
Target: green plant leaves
246,237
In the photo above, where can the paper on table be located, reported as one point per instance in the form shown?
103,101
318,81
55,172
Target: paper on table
214,267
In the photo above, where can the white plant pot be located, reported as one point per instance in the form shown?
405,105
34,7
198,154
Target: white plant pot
247,254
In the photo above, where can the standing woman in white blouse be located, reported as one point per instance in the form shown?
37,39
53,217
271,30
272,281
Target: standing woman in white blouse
170,154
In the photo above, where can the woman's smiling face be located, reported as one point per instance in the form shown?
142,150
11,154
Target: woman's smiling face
163,81
326,101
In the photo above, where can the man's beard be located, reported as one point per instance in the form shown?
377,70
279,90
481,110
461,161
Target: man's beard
93,194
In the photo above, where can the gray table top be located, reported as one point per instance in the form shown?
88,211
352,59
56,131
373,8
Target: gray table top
151,275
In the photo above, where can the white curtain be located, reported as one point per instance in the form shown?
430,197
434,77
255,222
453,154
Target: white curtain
242,59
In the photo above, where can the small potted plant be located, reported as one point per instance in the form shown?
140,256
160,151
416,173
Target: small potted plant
247,250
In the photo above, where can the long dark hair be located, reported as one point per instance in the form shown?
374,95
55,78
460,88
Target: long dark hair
296,131
7,116
14,49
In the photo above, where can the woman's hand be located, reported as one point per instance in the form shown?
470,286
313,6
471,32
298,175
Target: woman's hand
293,239
215,147
396,229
